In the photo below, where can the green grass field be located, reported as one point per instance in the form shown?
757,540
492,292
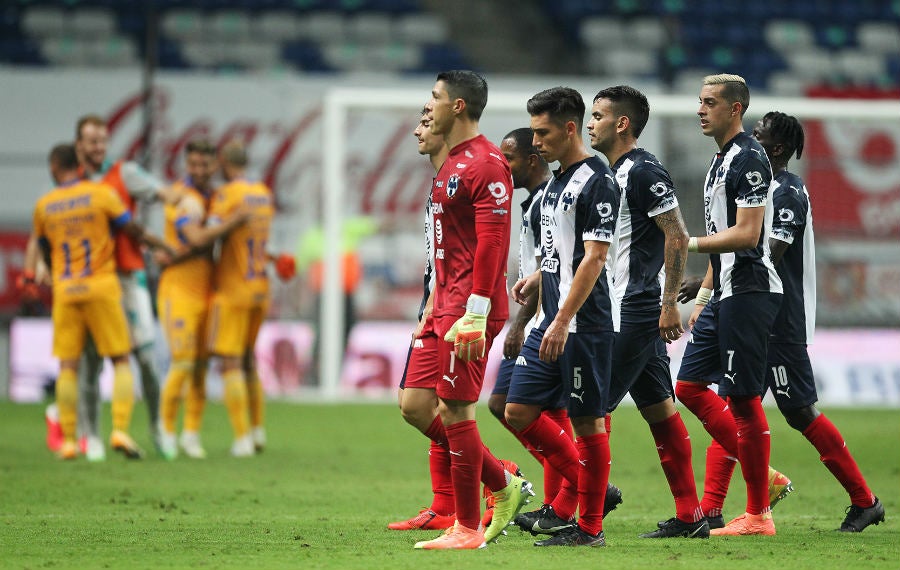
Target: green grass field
333,476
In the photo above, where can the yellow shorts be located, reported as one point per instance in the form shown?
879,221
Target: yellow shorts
183,321
233,329
103,317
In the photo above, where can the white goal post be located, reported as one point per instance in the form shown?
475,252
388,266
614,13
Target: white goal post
340,101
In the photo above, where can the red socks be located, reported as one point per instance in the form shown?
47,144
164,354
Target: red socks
674,447
552,478
555,445
753,450
436,432
466,459
441,482
832,448
593,477
711,410
719,469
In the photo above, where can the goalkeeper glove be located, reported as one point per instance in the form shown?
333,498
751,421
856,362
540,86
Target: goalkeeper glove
285,266
468,333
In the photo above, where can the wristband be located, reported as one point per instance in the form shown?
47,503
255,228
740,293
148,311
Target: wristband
478,305
694,244
703,296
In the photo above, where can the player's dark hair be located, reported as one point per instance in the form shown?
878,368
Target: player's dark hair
524,139
63,156
629,102
468,86
91,119
202,146
785,130
734,89
562,104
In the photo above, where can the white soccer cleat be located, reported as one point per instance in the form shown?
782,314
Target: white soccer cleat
168,445
95,451
259,438
243,447
190,444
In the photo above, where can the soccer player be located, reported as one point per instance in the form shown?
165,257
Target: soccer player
789,372
569,351
72,225
132,184
730,332
649,264
183,297
241,296
417,397
530,171
470,205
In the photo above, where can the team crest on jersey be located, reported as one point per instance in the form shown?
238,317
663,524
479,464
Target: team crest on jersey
452,185
567,200
659,189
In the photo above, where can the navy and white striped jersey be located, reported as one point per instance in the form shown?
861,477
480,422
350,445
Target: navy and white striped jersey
578,205
639,274
740,177
792,224
528,241
428,278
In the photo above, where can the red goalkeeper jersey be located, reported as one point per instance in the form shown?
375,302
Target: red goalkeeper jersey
471,207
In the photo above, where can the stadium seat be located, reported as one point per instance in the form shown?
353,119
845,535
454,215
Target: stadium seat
276,26
369,28
420,28
787,35
602,32
648,33
228,25
623,61
65,51
813,65
183,24
396,57
345,56
861,67
305,56
44,22
322,27
786,83
879,37
253,54
92,22
113,51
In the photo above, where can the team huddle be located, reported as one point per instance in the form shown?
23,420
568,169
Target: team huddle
602,256
86,238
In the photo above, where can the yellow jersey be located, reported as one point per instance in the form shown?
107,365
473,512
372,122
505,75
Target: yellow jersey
240,273
192,277
75,221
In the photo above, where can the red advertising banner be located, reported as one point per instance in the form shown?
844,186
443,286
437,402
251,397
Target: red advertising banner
853,171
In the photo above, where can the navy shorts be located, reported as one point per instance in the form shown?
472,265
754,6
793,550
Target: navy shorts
729,342
504,375
790,376
640,365
578,380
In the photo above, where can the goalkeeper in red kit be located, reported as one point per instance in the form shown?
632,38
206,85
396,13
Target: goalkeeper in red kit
472,223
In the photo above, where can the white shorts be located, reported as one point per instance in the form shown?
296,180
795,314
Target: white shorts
138,309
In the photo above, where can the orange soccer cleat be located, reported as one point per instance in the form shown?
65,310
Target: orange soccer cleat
456,538
425,520
747,524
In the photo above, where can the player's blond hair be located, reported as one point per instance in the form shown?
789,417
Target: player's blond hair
734,90
91,119
234,153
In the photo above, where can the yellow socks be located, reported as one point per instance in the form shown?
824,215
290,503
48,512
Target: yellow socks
236,401
67,401
196,398
256,398
122,396
179,372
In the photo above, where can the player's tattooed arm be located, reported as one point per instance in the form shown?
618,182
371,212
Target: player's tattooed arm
672,225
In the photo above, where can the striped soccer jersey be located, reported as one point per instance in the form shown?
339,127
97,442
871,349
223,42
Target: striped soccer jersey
578,205
792,224
740,177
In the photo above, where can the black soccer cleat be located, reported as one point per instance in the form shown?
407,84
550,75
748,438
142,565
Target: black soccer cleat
613,499
859,518
573,536
675,527
542,521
